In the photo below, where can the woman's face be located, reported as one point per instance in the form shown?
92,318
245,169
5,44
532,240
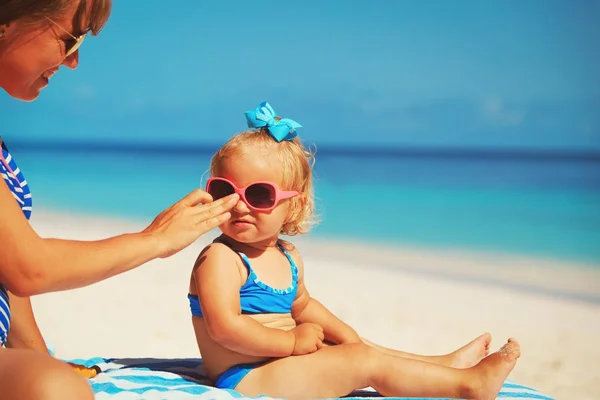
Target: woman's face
34,52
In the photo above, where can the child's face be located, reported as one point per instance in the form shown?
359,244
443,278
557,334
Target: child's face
247,225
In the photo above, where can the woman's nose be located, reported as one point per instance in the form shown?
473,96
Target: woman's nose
72,61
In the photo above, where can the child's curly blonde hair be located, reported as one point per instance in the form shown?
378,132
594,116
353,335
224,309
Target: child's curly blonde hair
296,166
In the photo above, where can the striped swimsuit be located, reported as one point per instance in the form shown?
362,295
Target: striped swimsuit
11,174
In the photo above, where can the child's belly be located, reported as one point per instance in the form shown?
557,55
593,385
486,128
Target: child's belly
218,359
278,321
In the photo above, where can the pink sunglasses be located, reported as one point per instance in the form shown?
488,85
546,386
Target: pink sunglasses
259,196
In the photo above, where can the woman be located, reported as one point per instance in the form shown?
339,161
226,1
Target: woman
36,38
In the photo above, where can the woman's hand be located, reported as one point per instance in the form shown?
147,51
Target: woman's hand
181,224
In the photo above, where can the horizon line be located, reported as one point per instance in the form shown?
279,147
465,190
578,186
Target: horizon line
386,151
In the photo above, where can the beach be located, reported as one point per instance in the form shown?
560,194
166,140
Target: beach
420,300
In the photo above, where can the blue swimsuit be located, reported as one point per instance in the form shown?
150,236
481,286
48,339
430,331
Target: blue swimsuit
256,298
11,174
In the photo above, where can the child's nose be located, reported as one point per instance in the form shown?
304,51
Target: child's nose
241,207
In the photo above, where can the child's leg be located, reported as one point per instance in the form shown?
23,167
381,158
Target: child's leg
465,357
338,370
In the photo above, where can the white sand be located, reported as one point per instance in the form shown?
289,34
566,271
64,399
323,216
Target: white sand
417,300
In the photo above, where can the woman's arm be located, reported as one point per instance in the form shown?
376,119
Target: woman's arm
308,309
24,332
218,281
32,265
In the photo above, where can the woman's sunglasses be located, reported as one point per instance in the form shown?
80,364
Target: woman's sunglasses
73,46
259,196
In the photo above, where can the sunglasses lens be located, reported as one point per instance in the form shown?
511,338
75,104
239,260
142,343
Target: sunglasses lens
260,195
219,189
75,46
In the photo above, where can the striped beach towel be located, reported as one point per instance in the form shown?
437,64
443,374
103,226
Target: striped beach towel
182,379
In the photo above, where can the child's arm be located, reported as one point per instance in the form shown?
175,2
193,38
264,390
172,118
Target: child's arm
218,284
308,309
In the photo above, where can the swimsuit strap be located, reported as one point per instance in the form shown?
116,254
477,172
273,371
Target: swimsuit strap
292,263
254,277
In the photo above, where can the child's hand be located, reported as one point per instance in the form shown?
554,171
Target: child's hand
308,338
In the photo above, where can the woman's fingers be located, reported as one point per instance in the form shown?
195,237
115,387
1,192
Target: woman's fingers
211,215
215,208
194,198
206,225
185,221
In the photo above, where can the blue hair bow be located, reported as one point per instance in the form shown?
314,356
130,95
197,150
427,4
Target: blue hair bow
265,116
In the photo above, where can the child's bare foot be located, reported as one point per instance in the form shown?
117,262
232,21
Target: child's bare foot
492,371
471,353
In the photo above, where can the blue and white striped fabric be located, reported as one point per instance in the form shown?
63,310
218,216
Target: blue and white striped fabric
4,315
182,379
17,185
15,180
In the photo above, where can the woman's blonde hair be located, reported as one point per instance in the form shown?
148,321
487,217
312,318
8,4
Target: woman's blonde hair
296,161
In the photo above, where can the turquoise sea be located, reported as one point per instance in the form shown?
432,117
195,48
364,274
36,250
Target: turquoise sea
532,203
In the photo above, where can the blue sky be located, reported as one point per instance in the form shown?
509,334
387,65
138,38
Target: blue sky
425,73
